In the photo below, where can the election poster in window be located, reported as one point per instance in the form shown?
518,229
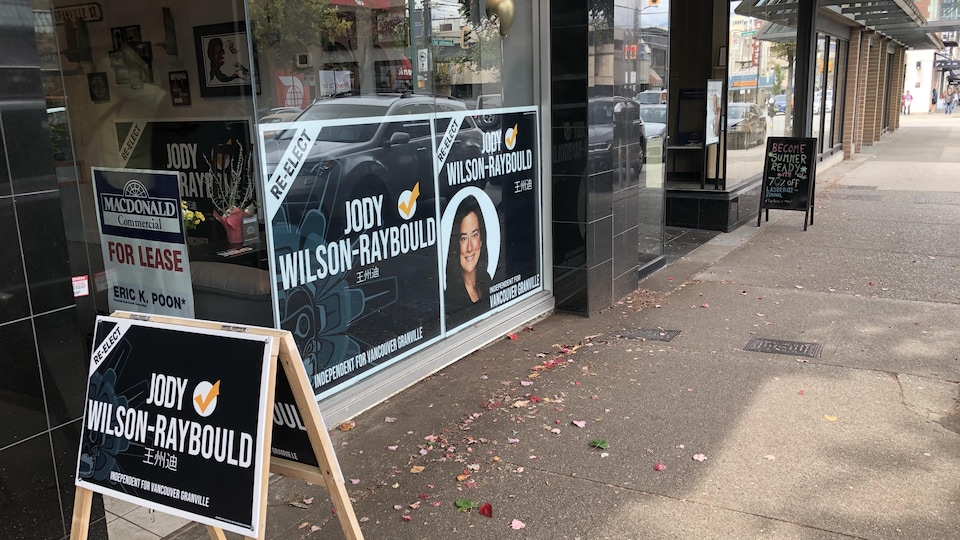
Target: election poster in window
142,240
211,157
351,206
490,212
167,431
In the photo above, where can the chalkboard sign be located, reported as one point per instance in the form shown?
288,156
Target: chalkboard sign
789,168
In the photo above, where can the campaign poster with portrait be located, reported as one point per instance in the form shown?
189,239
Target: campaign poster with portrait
174,420
208,155
490,211
142,240
351,207
714,111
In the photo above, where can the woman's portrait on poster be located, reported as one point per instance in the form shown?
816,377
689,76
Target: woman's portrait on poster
469,272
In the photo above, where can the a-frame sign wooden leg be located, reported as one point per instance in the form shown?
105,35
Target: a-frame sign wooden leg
328,474
216,533
82,502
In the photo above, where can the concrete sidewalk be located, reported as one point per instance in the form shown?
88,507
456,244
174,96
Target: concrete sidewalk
706,440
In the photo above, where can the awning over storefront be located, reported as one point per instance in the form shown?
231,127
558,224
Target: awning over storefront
899,20
653,79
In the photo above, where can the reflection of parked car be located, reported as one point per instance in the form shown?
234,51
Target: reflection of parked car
280,114
615,126
779,104
654,120
652,97
746,125
353,160
488,101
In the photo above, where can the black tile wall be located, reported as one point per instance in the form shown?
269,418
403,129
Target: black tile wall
27,138
23,413
600,234
65,442
14,303
44,250
63,364
600,287
600,195
5,188
30,507
626,257
42,351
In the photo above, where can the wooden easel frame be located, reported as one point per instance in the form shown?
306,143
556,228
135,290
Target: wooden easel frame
327,474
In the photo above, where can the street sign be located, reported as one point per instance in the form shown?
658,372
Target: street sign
416,21
422,59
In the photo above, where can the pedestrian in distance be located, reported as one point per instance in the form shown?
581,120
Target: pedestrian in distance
906,101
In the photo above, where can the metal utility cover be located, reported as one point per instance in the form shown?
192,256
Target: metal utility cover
779,346
652,334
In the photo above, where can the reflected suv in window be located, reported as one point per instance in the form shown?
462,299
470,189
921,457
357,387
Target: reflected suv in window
356,159
746,125
617,133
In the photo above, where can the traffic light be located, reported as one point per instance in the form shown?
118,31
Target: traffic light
633,52
464,34
626,52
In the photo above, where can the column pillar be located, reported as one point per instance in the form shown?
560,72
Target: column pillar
596,194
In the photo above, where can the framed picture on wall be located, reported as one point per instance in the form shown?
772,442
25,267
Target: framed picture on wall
179,88
223,60
99,87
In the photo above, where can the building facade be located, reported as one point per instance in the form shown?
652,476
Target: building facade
397,184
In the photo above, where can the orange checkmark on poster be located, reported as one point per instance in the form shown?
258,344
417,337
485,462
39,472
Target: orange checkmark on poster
204,401
406,204
511,138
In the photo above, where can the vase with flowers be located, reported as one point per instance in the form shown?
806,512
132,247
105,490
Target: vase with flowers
233,194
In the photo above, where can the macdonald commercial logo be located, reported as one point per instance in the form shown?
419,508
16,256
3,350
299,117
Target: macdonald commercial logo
136,200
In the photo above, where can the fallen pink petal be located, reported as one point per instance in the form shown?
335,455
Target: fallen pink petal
699,457
517,525
659,466
579,423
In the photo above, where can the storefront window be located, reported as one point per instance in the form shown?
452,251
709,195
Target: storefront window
829,96
402,174
840,49
365,175
650,25
819,87
761,60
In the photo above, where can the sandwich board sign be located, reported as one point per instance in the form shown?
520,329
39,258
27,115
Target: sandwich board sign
789,170
178,418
